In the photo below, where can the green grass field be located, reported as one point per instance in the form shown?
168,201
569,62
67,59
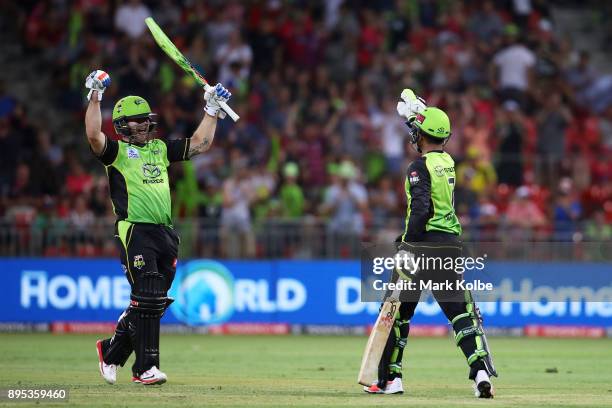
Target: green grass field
310,371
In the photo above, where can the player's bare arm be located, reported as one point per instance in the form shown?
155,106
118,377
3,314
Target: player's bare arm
96,82
202,138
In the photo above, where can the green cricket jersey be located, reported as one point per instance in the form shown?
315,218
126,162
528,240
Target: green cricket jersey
138,178
430,191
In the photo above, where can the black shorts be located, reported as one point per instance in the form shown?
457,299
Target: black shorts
147,248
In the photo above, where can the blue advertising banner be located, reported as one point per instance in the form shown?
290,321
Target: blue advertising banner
294,292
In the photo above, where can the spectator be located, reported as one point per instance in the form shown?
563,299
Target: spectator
605,128
475,173
552,123
487,218
523,214
567,212
582,74
234,59
391,130
291,195
23,185
236,228
7,102
510,131
263,184
383,202
597,228
81,217
130,17
346,201
78,181
9,154
513,68
486,23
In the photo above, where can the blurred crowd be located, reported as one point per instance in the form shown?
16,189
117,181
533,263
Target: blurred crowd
316,84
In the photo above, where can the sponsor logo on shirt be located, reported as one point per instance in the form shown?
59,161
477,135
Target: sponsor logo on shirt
439,170
414,178
150,170
132,153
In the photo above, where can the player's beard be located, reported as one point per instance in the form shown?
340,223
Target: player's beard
142,132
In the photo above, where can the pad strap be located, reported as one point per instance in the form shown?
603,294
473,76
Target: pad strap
154,306
467,332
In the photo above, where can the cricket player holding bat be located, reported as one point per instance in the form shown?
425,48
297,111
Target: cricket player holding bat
431,223
137,173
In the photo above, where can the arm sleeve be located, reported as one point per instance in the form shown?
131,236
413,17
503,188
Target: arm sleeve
109,153
420,203
178,150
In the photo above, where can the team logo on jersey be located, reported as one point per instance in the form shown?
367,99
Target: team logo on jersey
440,171
413,178
132,153
139,261
150,170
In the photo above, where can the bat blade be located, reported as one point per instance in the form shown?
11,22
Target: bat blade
170,49
368,373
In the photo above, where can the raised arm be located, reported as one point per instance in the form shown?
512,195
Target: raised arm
93,124
96,82
202,138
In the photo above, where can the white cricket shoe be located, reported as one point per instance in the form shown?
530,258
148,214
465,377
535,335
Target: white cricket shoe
393,387
107,371
150,377
482,385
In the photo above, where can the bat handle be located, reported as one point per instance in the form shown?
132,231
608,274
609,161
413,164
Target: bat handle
229,111
226,108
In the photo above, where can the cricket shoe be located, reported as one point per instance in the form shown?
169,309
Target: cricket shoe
373,389
393,387
107,371
482,385
150,377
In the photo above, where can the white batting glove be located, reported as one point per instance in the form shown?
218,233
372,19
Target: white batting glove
97,81
410,104
213,96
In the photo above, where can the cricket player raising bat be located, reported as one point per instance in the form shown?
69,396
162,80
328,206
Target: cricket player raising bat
137,173
431,223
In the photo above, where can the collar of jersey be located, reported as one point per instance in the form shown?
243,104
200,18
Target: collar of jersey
141,145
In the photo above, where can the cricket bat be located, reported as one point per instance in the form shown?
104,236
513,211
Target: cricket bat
368,373
170,49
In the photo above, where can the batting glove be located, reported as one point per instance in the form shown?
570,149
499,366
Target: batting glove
410,104
214,96
97,81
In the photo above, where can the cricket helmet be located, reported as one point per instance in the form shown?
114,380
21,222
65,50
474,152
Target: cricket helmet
433,122
131,108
